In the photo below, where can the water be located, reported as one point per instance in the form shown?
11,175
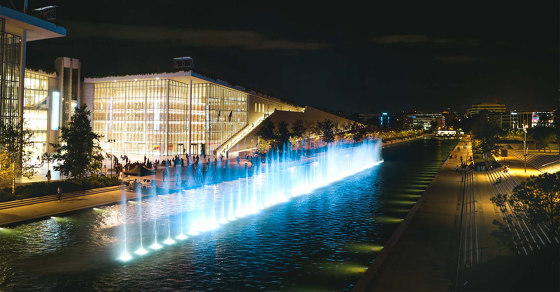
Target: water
320,241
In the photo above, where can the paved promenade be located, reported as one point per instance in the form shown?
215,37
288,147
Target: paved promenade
421,255
453,227
46,209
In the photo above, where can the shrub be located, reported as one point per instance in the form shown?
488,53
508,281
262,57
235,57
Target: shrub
39,189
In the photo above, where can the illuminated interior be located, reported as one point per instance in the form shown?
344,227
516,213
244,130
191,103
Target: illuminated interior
35,111
156,116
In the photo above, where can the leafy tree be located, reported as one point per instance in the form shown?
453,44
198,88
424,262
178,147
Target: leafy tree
358,132
298,129
283,134
433,126
543,136
78,152
264,146
267,130
538,198
326,129
486,133
5,168
15,144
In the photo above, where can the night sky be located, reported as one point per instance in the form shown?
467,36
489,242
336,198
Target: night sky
341,56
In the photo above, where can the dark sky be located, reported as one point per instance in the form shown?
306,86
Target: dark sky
383,56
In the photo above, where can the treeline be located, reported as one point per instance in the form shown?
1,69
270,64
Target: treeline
273,135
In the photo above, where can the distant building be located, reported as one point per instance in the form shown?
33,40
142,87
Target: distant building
425,121
519,119
497,113
368,117
487,106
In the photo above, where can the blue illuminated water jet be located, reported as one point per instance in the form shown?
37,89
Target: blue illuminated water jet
280,176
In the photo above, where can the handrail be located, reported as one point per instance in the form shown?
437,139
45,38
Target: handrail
229,143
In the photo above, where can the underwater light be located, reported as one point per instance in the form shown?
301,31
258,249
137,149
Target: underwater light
169,241
141,251
155,246
125,256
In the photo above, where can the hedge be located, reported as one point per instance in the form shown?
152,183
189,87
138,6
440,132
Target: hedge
38,189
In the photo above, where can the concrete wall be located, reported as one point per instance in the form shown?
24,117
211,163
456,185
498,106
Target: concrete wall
260,106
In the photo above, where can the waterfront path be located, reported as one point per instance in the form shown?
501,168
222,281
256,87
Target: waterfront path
421,254
453,227
66,205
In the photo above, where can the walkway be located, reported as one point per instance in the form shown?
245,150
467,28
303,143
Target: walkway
543,162
421,254
67,204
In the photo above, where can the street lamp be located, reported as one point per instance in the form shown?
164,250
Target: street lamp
525,145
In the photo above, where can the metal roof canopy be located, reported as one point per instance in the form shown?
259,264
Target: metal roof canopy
37,29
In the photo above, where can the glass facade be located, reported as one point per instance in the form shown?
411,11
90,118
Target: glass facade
10,53
35,110
155,117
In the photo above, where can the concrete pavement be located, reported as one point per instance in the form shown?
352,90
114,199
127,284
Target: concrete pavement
421,254
42,210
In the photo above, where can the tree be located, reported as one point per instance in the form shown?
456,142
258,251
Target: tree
543,136
538,198
486,133
358,132
556,117
267,130
78,152
433,126
298,129
15,145
283,134
326,129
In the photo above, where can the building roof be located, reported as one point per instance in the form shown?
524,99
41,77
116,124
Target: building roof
180,76
37,29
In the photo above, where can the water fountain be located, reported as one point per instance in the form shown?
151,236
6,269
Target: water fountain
282,175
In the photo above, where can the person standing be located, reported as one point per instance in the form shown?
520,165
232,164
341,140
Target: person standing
59,191
48,176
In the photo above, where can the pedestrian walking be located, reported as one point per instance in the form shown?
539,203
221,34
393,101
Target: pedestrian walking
59,190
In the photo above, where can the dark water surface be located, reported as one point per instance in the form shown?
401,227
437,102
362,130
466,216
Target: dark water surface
319,241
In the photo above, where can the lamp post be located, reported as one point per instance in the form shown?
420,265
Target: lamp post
525,146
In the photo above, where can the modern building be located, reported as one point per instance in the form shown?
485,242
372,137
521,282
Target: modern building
16,29
425,121
519,119
39,89
49,101
488,107
173,113
497,113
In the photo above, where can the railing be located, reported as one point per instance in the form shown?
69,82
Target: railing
228,144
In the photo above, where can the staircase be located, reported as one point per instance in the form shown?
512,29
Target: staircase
228,144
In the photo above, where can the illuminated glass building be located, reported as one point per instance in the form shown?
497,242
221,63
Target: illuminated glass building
175,113
36,107
165,114
49,101
16,29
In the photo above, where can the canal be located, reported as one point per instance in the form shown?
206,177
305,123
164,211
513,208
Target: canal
319,241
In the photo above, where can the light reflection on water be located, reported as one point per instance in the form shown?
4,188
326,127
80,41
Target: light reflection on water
319,241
